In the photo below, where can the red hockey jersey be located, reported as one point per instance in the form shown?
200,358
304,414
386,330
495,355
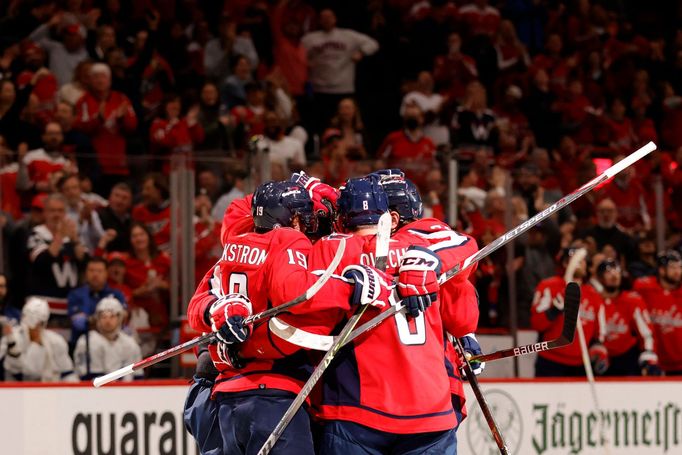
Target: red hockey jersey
390,378
627,324
271,269
665,308
591,316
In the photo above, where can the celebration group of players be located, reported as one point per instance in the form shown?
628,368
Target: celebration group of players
395,389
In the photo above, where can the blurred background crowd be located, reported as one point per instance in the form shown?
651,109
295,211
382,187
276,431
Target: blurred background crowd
529,98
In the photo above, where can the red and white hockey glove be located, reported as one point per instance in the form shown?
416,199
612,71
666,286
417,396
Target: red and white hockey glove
648,362
319,192
599,357
370,286
227,316
418,279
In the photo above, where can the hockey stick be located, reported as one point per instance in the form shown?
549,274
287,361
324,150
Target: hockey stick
381,254
577,257
309,340
571,309
487,413
163,355
500,241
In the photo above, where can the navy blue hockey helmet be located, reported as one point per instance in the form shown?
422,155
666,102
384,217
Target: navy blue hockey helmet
275,204
403,195
362,202
669,256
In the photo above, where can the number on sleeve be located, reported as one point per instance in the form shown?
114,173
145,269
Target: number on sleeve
296,257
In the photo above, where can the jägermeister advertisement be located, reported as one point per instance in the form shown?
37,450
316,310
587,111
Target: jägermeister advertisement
538,418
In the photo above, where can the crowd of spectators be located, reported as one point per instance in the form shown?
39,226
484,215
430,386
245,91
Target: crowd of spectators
532,98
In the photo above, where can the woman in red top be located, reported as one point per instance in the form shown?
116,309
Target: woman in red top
172,133
147,275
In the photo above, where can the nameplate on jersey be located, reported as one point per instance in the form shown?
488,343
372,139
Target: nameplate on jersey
243,254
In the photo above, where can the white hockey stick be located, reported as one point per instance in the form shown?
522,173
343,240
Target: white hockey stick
208,337
635,156
579,256
381,254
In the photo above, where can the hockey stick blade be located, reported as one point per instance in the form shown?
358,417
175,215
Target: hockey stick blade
381,254
208,337
571,310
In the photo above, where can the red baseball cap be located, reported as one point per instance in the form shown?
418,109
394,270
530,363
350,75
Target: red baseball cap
38,201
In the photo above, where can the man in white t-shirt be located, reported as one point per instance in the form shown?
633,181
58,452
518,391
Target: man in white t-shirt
332,54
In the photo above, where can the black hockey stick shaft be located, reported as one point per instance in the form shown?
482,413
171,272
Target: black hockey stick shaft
382,243
571,309
473,381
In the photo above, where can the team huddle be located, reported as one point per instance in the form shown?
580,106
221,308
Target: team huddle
394,389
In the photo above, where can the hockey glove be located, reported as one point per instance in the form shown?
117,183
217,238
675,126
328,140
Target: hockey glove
370,286
599,357
318,191
224,355
648,363
418,279
227,318
472,348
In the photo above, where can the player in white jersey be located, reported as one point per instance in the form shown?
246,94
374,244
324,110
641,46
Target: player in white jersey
106,348
33,352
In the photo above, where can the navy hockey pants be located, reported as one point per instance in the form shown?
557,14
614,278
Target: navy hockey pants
347,438
201,417
246,420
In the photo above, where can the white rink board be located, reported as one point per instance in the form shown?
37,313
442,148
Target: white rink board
146,420
535,417
548,418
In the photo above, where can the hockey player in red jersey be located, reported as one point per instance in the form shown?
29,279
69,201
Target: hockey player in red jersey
459,300
547,318
663,297
629,337
259,374
387,391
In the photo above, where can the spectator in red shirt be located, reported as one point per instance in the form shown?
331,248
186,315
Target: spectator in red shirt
348,122
409,149
172,133
621,132
249,118
116,273
147,275
44,82
207,247
553,63
573,107
627,193
106,116
154,210
10,203
454,71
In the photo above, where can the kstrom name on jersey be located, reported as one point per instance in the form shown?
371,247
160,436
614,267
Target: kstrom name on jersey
243,254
